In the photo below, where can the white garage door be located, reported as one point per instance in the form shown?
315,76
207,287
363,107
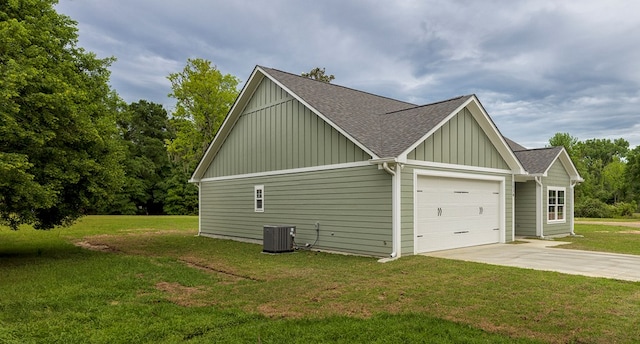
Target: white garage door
456,212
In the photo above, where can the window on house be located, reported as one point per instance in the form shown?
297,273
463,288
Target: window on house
258,194
556,203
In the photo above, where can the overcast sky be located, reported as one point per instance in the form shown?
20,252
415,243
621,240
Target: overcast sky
538,67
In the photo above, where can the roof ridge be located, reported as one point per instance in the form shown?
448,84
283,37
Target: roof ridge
430,104
338,85
541,148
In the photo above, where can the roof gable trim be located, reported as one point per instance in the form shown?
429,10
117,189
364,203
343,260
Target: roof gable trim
568,165
227,125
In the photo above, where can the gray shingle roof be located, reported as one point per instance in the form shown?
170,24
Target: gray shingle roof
401,129
536,161
385,126
514,145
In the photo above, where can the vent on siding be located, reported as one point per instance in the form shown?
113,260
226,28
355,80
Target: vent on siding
278,239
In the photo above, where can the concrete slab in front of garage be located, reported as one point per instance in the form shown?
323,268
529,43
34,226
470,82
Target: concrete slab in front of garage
540,255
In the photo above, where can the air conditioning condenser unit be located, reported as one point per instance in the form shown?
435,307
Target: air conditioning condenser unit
278,239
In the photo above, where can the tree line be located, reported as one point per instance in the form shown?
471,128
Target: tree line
69,145
611,173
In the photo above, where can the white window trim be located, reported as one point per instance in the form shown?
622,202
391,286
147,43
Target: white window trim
256,198
556,188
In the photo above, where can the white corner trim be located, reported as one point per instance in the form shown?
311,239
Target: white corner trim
290,171
458,167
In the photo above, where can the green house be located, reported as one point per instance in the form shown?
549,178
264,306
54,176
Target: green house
365,174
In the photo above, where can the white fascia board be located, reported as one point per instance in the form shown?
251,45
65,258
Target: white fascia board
383,160
319,114
289,171
568,165
228,124
422,163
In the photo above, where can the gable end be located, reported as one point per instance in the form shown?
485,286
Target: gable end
460,141
277,132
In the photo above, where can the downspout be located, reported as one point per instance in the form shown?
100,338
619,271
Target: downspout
573,205
513,207
395,209
538,180
199,208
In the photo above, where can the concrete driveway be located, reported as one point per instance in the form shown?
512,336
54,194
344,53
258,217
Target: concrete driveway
540,255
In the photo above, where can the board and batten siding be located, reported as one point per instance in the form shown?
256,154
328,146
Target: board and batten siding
407,197
351,205
460,141
526,208
277,132
406,211
557,176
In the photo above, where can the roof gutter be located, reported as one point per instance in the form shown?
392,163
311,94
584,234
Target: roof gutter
393,168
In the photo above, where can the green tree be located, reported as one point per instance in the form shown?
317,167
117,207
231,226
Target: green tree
147,166
564,140
614,182
319,74
204,97
182,197
59,148
632,174
601,151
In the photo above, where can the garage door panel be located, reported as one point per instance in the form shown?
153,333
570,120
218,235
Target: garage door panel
456,212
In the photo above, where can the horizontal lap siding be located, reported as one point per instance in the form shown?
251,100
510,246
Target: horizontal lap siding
353,207
526,208
277,132
460,141
558,177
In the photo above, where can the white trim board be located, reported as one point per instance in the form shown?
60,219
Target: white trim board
290,171
422,163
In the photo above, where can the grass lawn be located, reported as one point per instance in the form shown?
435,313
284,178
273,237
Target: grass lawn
150,279
606,238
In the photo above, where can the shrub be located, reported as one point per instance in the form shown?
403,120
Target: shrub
624,209
591,207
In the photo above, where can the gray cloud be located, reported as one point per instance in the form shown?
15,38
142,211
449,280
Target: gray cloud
539,67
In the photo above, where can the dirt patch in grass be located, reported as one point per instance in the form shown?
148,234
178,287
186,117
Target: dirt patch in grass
182,295
95,246
630,232
229,274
